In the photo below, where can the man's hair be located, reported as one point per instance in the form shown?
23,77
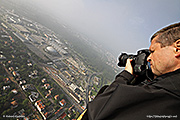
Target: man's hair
168,35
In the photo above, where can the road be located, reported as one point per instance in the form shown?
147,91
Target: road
89,84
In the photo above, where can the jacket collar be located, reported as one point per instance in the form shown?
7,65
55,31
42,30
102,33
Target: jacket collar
169,81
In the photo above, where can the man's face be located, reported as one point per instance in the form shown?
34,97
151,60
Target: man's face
161,58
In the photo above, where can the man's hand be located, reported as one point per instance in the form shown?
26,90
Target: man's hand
128,66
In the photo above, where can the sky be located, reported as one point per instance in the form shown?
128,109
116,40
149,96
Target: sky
117,25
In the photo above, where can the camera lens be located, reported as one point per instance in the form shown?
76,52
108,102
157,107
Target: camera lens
122,59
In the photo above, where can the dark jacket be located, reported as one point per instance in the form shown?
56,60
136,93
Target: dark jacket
120,101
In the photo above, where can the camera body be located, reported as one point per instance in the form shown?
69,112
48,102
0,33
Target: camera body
139,63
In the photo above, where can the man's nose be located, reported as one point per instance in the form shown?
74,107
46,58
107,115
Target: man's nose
149,58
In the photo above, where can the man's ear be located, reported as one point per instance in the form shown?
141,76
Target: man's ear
177,47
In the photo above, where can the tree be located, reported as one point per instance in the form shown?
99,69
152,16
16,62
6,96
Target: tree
25,102
6,105
10,96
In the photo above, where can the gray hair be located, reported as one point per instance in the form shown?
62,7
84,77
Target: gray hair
168,35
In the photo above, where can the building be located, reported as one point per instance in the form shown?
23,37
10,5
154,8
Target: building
2,57
41,108
75,97
14,91
73,62
4,25
63,115
73,87
29,64
32,98
56,97
96,80
43,80
6,87
51,50
47,86
62,102
57,46
14,104
51,90
35,94
21,29
22,82
67,73
48,95
28,86
58,110
7,80
10,68
15,73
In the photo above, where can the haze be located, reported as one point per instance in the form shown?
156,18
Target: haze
117,25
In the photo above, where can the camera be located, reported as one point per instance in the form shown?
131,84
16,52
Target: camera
140,66
139,63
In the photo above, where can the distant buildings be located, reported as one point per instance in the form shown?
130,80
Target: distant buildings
51,90
47,86
15,74
73,87
41,108
48,95
96,80
22,82
33,74
7,80
4,25
6,87
56,97
33,96
62,102
63,115
2,57
14,104
21,29
57,45
14,91
31,33
29,64
43,80
27,86
51,50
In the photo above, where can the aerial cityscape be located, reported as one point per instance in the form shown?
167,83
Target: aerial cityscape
43,74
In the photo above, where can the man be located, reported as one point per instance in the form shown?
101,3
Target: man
159,98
